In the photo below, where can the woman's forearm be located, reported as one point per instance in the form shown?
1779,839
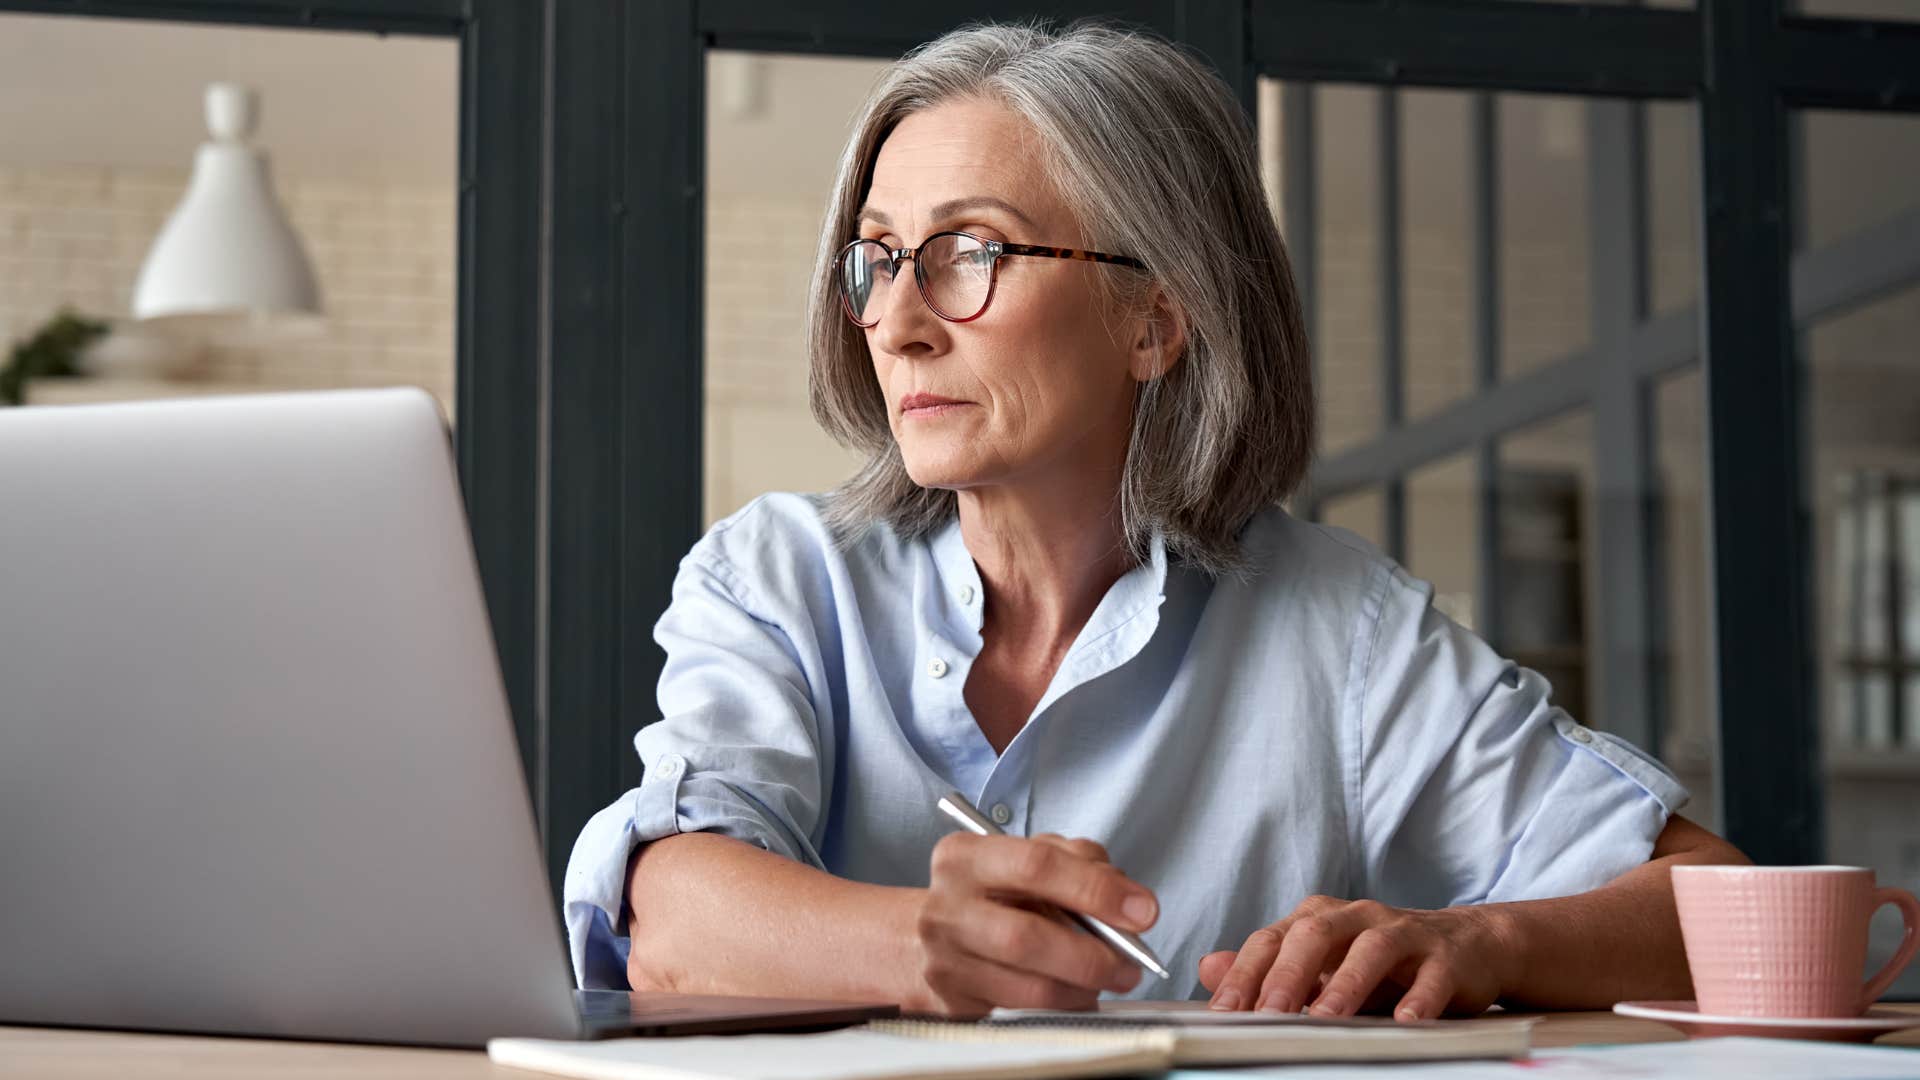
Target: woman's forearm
1619,941
711,914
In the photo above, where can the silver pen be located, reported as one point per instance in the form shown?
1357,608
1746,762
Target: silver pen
956,806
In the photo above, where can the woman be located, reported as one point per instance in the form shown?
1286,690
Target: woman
1060,585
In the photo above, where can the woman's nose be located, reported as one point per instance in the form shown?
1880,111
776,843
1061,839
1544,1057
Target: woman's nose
907,327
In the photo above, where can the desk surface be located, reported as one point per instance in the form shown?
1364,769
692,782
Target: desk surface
76,1055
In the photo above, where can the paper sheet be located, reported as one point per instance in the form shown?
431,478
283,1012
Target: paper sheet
1699,1059
848,1054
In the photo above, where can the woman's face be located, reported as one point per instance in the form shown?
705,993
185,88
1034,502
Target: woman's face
1044,379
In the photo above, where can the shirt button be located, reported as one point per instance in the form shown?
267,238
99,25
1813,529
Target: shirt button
1580,735
937,669
966,594
1001,815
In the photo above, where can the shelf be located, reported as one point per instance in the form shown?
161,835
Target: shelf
1871,763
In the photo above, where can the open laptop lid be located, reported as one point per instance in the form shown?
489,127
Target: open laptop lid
608,1013
257,772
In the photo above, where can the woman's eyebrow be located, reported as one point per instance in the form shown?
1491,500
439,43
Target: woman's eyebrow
952,208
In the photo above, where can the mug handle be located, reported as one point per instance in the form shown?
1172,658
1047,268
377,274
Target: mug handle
1909,942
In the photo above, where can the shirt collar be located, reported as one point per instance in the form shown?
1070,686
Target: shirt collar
1142,588
1139,591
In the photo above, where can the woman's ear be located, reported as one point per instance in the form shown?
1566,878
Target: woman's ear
1161,339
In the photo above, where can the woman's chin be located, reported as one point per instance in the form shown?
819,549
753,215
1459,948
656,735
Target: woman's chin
942,473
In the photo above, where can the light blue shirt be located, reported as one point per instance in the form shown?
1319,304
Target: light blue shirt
1236,746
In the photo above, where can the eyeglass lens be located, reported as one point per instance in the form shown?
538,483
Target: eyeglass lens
955,271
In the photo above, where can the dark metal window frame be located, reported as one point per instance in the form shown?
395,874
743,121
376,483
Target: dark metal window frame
580,340
628,397
1746,64
1897,659
499,363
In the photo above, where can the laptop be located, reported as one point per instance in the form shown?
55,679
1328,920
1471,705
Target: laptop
257,770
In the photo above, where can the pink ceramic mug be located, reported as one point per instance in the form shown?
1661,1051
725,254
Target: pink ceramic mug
1786,940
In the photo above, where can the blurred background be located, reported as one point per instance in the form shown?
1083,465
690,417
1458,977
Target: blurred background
1667,457
99,122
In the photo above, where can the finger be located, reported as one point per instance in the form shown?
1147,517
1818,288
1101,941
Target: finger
973,985
1250,964
1030,942
1085,849
1374,954
1048,871
951,1001
1078,846
1214,967
1313,943
1427,998
1318,904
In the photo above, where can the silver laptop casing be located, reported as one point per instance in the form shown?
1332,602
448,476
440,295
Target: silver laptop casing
257,770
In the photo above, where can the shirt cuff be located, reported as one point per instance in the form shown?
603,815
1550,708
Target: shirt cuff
1654,779
596,882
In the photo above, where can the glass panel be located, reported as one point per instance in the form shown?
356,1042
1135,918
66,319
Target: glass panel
1363,512
775,127
1682,672
1861,378
1540,188
366,169
1673,199
1347,179
1543,556
1437,279
1443,534
1858,9
1269,111
1860,171
1906,532
1544,310
1541,178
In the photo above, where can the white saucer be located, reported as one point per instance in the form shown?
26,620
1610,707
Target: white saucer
1687,1016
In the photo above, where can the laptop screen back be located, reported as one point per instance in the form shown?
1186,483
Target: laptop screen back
257,771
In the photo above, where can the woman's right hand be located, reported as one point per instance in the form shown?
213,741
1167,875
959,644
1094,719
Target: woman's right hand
991,932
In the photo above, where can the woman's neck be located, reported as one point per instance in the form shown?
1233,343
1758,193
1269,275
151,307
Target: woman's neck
1047,554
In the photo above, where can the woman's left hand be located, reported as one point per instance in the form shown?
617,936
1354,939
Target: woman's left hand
1344,957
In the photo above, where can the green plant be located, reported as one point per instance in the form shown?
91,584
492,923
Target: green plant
50,351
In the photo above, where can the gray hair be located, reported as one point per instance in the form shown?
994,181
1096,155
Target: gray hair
1156,158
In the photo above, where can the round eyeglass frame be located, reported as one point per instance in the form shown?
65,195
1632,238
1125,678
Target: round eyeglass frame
996,250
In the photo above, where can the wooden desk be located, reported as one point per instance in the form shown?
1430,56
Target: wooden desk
59,1054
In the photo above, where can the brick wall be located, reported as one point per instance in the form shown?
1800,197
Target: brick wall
760,435
384,255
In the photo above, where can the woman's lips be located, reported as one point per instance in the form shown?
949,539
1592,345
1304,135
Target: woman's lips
925,405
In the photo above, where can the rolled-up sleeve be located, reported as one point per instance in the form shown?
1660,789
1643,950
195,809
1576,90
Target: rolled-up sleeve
738,752
1475,788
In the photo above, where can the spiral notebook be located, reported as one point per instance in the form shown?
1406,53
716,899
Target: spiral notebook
1123,1038
886,1050
1204,1037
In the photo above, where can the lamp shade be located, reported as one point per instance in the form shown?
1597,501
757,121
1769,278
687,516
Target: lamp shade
228,249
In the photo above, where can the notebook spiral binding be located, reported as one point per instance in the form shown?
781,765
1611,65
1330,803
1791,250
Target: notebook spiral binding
1090,1032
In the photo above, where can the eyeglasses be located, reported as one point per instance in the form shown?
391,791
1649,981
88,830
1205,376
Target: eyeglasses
954,270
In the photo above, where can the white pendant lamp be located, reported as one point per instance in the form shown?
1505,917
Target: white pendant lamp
228,250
